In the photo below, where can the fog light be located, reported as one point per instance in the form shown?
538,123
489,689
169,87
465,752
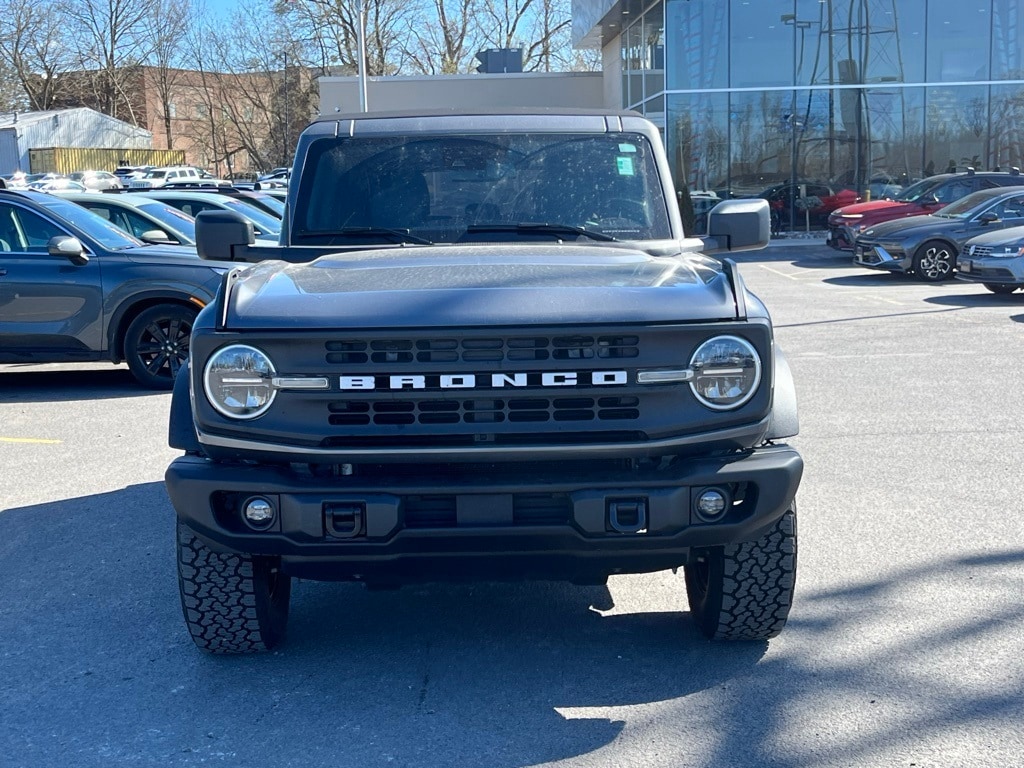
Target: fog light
711,504
259,513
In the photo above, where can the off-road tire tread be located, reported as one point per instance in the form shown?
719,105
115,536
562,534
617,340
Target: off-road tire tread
758,580
218,598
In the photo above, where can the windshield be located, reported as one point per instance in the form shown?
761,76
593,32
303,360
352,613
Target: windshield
172,217
260,219
481,188
917,190
965,207
273,204
91,224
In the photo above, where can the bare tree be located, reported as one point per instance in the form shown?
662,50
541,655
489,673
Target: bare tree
334,24
165,29
34,47
445,42
111,38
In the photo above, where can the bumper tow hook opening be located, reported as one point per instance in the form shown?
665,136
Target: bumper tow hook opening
345,520
627,515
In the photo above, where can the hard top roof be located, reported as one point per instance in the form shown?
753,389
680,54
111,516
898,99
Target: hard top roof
477,112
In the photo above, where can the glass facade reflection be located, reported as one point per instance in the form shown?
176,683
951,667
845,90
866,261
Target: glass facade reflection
847,96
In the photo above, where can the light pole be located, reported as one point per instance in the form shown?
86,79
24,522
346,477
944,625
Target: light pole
794,124
361,45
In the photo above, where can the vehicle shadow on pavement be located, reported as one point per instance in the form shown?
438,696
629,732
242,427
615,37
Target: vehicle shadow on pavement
31,384
872,280
982,298
99,670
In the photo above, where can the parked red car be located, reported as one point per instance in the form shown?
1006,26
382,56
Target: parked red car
924,197
811,202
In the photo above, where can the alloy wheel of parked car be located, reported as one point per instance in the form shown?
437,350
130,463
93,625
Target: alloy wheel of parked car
156,344
1001,290
934,261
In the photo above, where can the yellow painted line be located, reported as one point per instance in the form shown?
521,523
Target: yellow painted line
38,440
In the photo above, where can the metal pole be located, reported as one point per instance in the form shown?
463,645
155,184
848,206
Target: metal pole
361,10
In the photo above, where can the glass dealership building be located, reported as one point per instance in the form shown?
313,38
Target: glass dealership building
750,93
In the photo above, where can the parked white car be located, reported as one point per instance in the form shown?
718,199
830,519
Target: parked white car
159,177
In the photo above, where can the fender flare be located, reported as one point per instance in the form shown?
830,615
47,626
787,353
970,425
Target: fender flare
785,420
181,429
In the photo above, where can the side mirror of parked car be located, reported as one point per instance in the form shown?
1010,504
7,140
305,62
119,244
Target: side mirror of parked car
70,248
988,217
218,232
157,237
930,200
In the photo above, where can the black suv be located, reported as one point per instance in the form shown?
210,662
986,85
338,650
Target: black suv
73,287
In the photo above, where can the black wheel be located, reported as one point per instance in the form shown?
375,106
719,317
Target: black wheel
232,603
156,344
934,261
1002,290
744,591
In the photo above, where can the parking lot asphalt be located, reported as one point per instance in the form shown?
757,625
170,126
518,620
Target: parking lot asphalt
904,647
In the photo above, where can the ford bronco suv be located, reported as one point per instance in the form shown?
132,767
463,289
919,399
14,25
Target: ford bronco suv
485,349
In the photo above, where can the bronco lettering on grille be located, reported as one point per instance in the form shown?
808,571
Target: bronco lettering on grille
482,381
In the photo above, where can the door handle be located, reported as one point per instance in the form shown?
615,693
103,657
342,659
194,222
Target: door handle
3,272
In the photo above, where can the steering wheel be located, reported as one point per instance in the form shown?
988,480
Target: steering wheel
619,208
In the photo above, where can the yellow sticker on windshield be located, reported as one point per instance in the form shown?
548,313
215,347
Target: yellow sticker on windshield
625,166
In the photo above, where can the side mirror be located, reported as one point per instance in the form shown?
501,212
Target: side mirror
70,248
157,237
738,225
988,217
930,200
219,232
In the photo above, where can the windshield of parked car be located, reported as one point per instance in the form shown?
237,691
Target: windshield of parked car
273,203
172,217
262,220
967,206
91,224
481,188
918,190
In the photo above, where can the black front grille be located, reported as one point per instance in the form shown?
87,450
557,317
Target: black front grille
472,349
520,410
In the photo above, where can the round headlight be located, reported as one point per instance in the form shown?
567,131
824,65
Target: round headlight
726,372
238,382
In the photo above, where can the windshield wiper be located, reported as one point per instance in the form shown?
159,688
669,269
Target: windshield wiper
396,235
527,227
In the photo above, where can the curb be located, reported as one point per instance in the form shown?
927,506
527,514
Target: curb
814,239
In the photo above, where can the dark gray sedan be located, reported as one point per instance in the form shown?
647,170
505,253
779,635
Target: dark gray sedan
928,246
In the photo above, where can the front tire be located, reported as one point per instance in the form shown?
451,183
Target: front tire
232,603
935,261
745,591
156,344
1001,289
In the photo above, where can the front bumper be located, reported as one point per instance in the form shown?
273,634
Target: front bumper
877,257
991,271
574,522
839,237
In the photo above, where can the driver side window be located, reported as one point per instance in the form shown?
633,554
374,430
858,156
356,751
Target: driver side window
25,231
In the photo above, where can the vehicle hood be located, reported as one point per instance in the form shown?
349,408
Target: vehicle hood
879,207
910,226
480,286
1007,236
